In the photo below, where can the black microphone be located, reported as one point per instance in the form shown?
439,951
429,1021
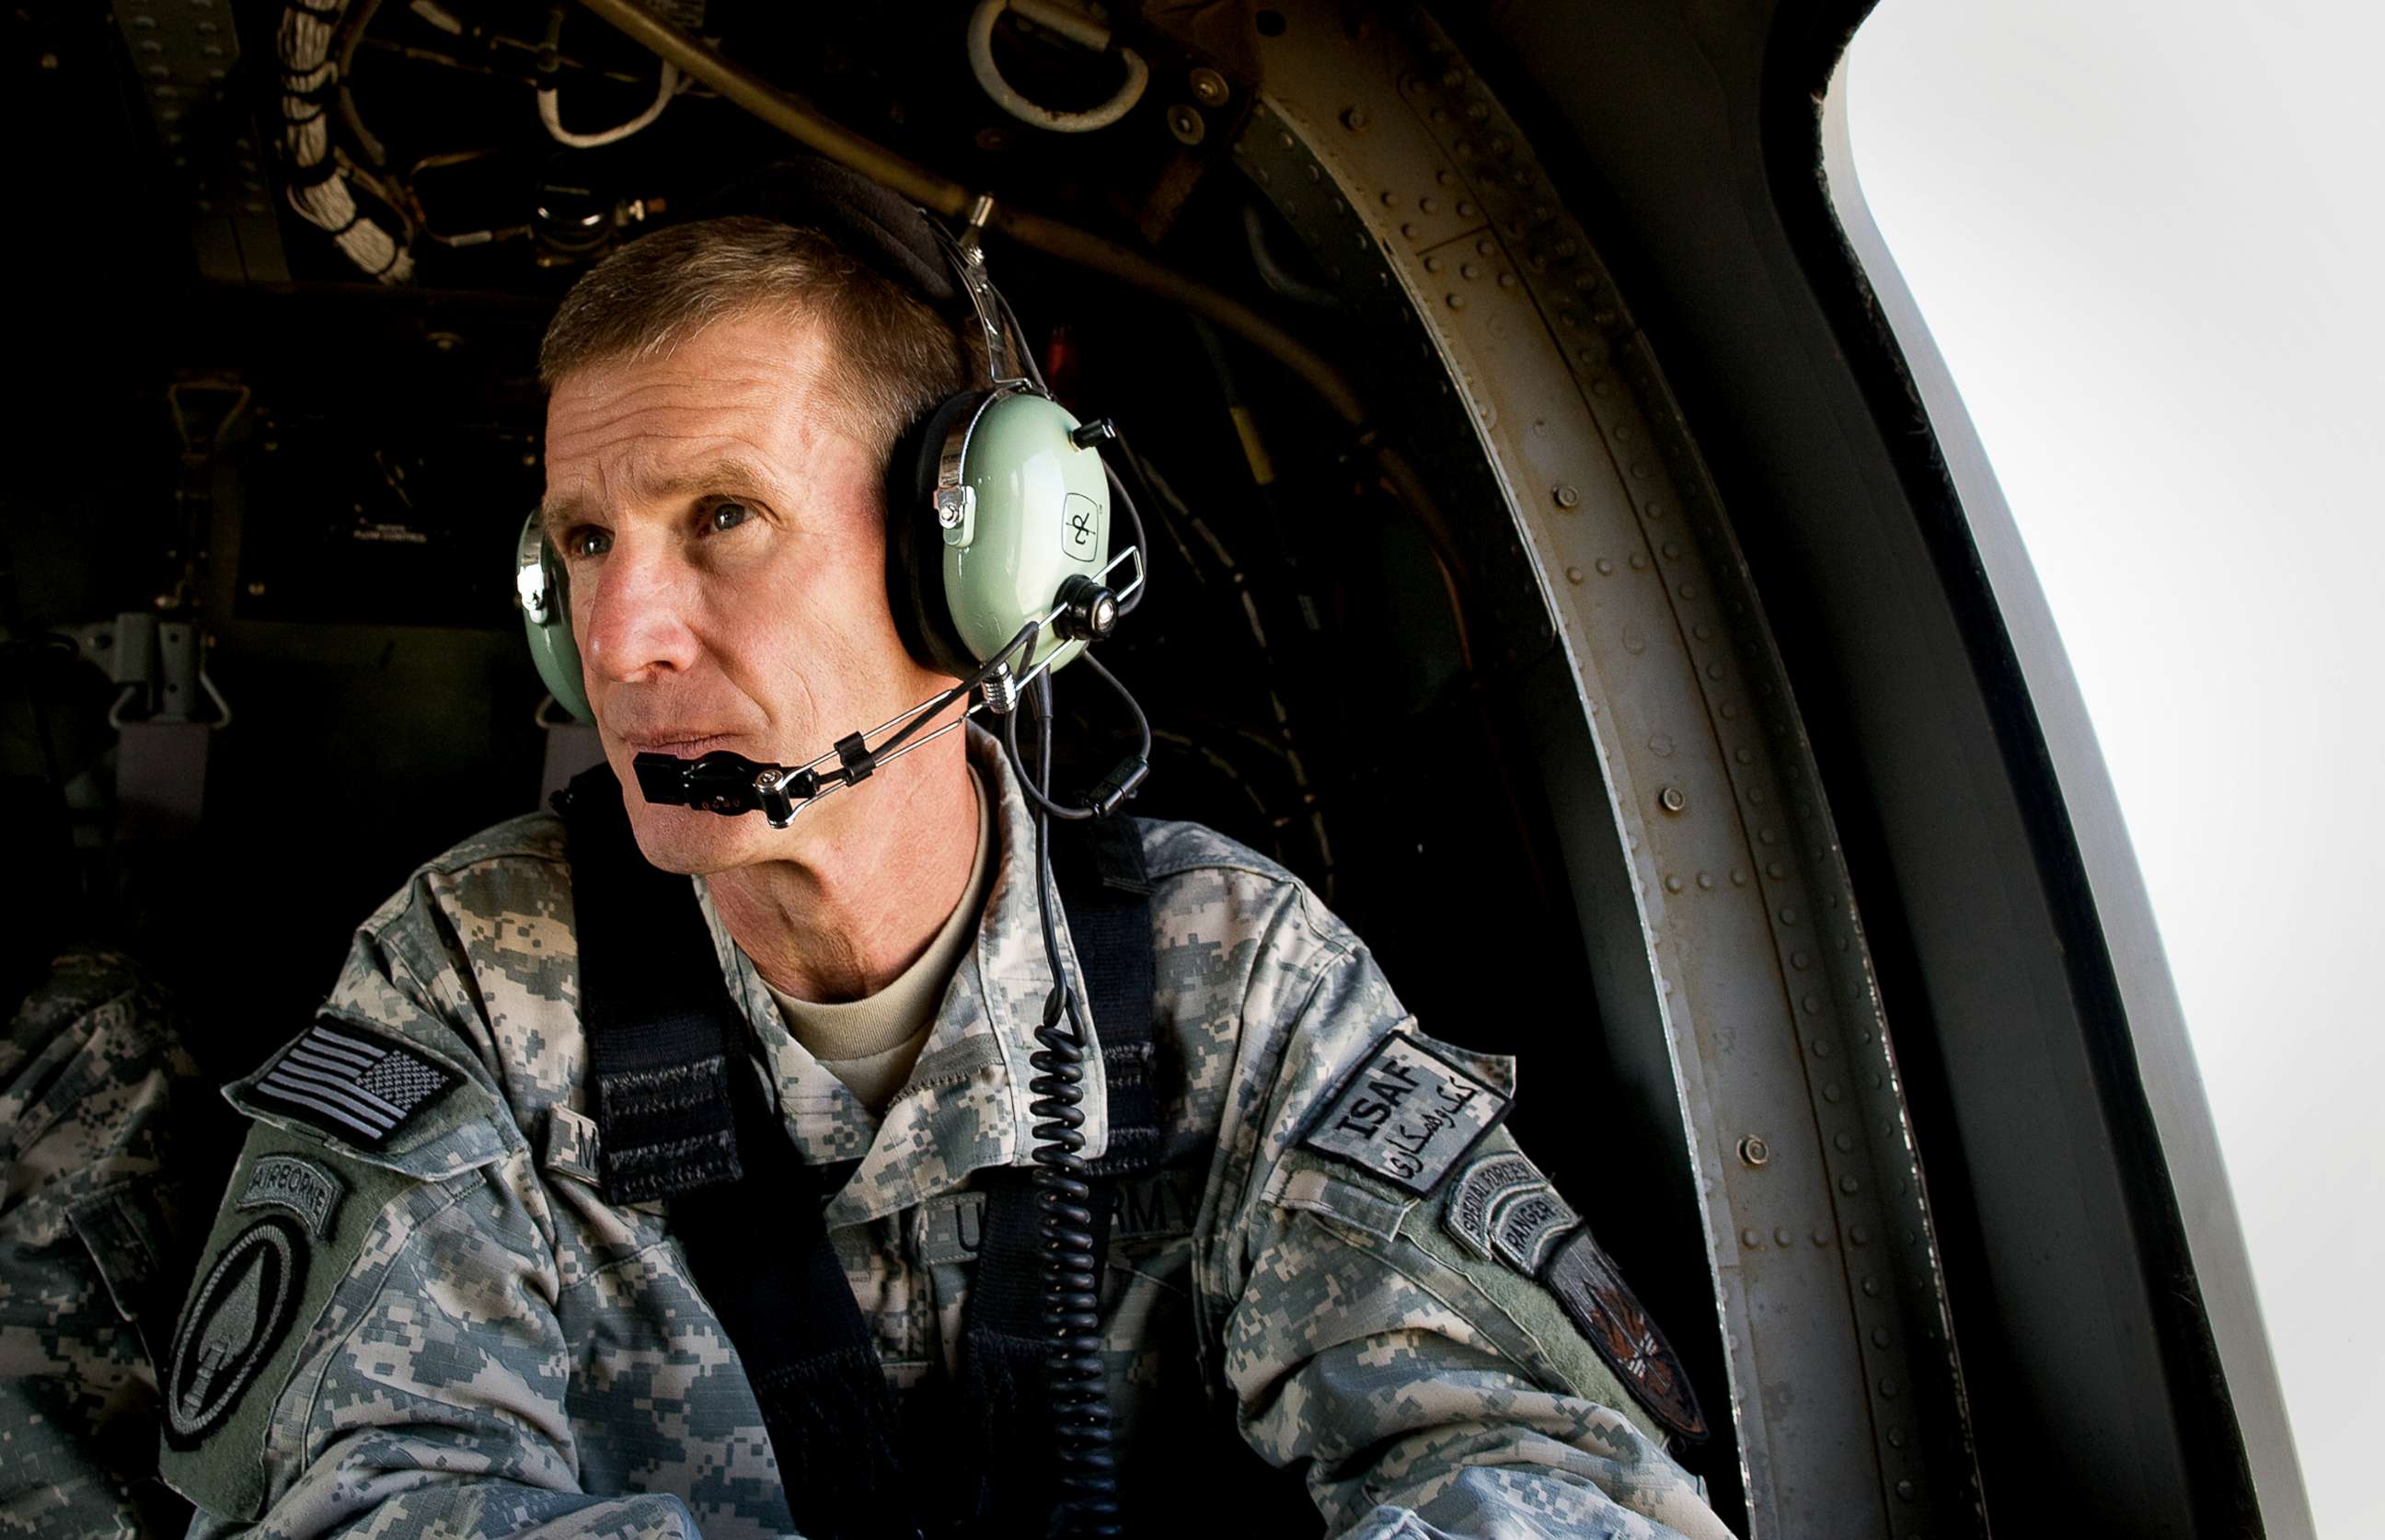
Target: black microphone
727,783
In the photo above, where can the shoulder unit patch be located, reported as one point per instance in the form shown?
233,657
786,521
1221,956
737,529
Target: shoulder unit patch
1586,1282
356,1087
1406,1114
236,1320
1502,1206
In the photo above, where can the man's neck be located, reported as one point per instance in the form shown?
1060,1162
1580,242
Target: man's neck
862,905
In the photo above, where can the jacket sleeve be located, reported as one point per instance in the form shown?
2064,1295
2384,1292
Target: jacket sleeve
372,1343
1432,1391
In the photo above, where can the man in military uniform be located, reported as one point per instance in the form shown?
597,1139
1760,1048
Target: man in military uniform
435,1301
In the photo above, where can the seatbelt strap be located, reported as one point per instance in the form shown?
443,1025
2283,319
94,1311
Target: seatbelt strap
680,1115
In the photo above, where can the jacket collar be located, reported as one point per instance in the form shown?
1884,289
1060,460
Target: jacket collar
966,1104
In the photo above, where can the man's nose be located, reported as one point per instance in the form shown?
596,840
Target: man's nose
635,626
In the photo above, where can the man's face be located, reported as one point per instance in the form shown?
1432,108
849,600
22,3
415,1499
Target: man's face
725,544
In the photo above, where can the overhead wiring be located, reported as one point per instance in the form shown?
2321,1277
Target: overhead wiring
320,182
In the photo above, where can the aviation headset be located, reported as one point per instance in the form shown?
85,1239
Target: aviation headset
998,561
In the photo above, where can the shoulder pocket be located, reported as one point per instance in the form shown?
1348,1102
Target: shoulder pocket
387,1099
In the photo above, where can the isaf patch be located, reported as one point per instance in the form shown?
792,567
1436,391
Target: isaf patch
355,1087
1586,1282
1406,1115
303,1186
236,1319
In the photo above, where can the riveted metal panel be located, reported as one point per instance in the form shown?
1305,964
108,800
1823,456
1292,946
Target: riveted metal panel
1749,984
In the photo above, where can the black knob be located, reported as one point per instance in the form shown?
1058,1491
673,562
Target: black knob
1086,435
1089,612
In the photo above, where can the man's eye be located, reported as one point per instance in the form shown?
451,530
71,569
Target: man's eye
584,542
726,516
721,517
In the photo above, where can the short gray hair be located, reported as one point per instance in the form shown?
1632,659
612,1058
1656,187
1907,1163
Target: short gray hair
890,356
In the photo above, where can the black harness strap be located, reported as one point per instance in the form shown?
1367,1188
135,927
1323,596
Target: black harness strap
1098,868
680,1114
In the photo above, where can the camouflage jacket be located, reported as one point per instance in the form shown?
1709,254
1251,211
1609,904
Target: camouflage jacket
95,1087
420,1306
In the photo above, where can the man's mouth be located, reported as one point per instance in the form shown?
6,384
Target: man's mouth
683,744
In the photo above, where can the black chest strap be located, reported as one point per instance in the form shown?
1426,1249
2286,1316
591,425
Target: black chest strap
1098,869
680,1115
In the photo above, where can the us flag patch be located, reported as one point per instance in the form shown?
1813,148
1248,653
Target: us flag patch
352,1087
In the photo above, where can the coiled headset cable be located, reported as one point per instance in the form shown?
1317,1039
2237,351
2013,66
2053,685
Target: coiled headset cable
1079,1392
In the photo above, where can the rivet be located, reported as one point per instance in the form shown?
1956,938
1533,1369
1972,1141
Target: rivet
1821,1237
1821,1047
1739,877
1573,575
1457,302
1750,1239
1446,176
1606,567
1429,205
1870,1283
1566,496
1788,916
1464,210
1904,1490
1672,885
1409,230
1432,263
1672,798
1812,1003
1845,1142
1705,879
1391,200
1782,1236
1896,1438
1468,270
1832,1092
1354,119
1849,1186
1506,281
1639,562
1476,111
1688,591
1860,1236
1730,710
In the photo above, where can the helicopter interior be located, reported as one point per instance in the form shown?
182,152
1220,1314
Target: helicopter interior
1451,612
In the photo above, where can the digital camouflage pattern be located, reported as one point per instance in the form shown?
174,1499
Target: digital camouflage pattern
486,1345
93,1082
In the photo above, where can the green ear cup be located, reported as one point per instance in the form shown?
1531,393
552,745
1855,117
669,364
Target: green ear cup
1004,507
543,592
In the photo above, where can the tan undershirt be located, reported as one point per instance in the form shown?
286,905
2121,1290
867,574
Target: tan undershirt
870,1044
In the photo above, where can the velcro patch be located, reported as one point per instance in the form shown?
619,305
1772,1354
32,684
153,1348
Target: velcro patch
236,1320
1585,1282
355,1087
303,1186
1406,1115
1502,1206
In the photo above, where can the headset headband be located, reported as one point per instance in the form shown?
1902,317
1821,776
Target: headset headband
877,227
